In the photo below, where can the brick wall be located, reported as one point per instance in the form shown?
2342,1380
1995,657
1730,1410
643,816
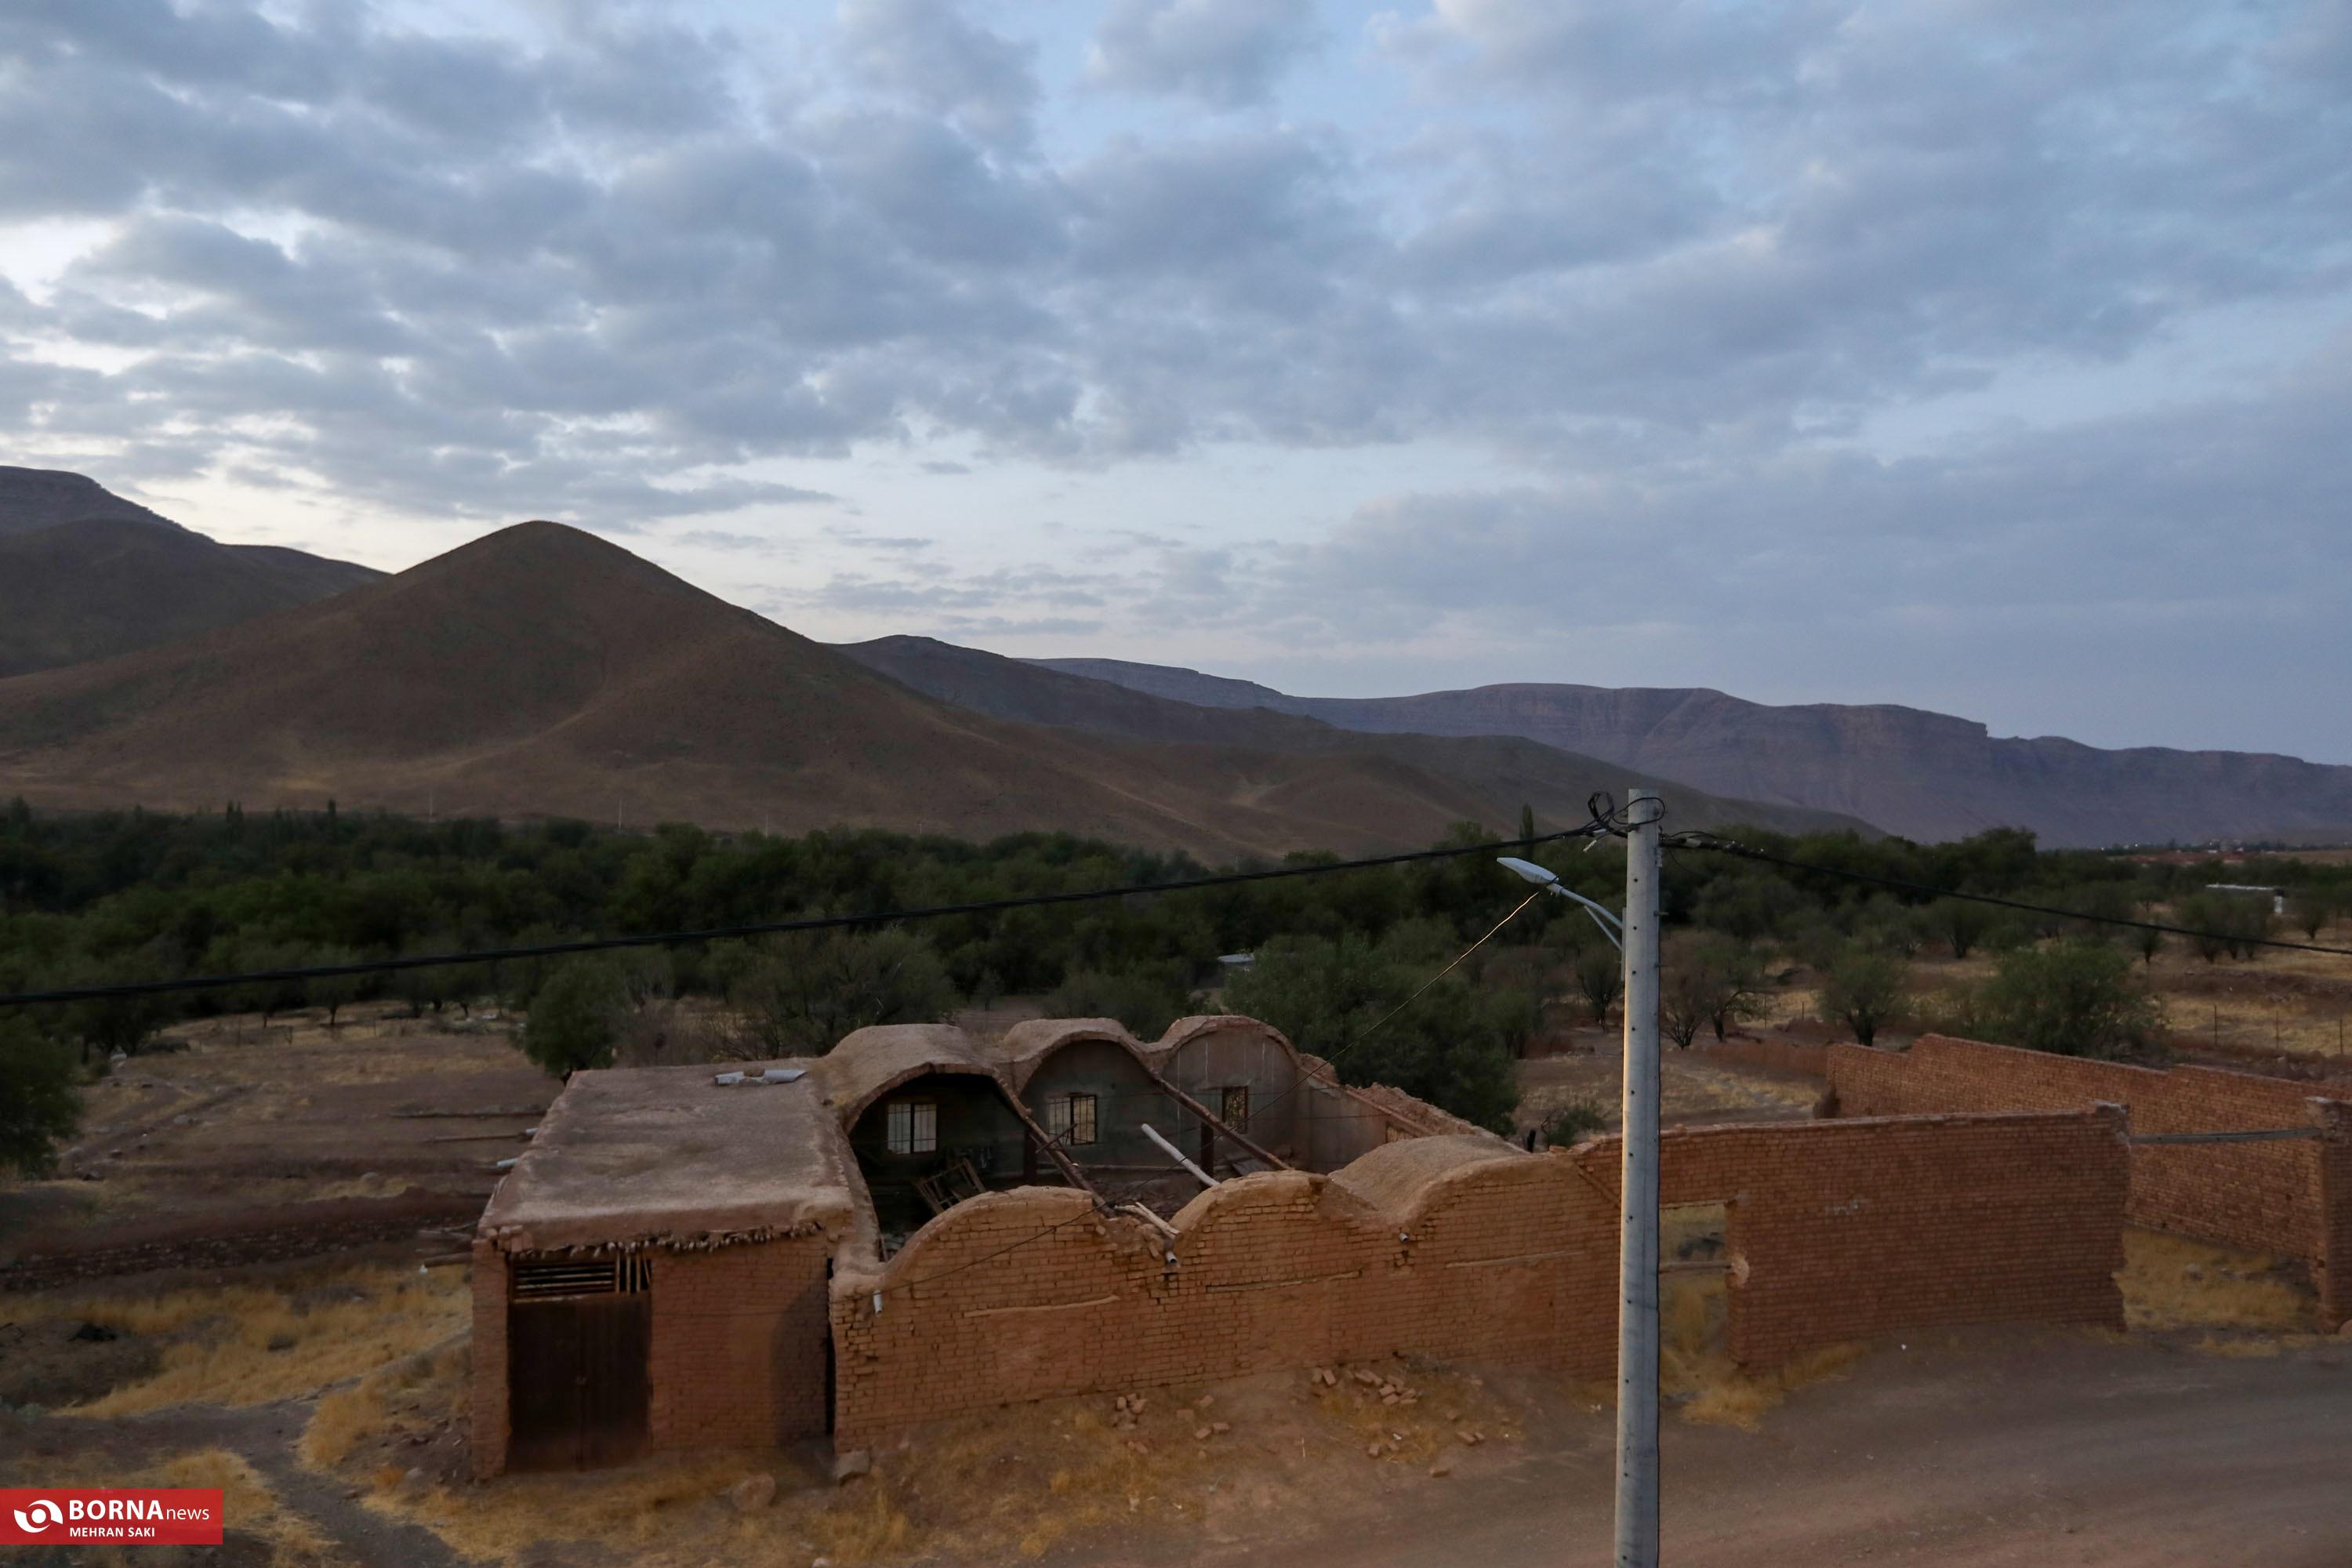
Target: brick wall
2334,1117
488,1432
1778,1056
1452,1248
2267,1196
736,1359
1847,1230
738,1344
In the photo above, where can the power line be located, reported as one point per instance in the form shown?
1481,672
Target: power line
1601,823
1694,840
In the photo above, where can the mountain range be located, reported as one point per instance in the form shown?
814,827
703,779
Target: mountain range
85,574
1923,775
541,670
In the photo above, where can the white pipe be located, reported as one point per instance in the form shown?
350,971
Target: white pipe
1178,1155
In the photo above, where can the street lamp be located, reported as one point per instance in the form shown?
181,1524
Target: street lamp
1548,880
1637,937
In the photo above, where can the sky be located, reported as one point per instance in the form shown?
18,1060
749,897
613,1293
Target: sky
1989,356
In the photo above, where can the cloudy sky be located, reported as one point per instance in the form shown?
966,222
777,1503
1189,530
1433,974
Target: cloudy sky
1992,357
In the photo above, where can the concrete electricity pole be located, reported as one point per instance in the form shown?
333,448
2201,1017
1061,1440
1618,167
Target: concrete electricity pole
1637,1248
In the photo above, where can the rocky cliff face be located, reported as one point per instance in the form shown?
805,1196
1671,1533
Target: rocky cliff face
1924,775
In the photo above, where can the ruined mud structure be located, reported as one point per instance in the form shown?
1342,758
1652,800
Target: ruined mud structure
919,1225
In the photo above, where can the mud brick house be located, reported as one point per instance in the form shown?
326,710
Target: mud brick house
919,1225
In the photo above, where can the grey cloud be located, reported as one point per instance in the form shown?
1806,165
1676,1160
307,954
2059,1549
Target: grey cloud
1227,53
1648,240
930,52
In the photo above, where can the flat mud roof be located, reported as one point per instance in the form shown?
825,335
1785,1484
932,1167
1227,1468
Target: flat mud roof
636,1156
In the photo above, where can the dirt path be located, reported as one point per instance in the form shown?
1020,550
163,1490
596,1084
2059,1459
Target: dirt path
2060,1452
263,1436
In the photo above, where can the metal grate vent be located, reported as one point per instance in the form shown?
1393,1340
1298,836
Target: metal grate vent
543,1282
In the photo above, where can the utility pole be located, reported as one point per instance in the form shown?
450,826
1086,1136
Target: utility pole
1637,1245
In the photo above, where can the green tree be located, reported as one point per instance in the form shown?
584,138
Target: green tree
333,993
1709,981
1146,999
576,1020
39,1103
1959,923
2310,910
1597,970
2076,997
802,994
1863,989
1352,1002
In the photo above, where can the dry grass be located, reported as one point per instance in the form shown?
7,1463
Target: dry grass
248,1345
2171,1282
1689,1089
249,1507
1696,1370
390,1401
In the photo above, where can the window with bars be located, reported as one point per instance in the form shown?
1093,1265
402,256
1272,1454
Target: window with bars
553,1278
913,1126
1235,1111
1070,1117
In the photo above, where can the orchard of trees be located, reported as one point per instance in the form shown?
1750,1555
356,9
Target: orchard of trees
109,897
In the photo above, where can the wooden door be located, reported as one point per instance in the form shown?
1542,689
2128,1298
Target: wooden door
577,1379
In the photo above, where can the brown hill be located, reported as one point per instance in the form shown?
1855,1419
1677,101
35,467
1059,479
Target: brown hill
1924,775
104,585
1490,774
85,574
35,499
541,670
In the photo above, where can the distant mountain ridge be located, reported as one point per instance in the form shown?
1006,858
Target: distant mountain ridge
86,574
541,670
1495,775
33,499
1921,774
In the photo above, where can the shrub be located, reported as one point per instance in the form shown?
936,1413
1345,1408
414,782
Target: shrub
1575,1121
2075,997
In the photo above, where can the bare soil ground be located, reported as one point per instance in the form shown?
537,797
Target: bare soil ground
2286,1011
1589,1066
239,1142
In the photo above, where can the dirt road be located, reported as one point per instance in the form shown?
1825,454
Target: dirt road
2060,1452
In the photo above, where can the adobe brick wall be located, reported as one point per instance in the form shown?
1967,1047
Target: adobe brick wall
737,1358
1778,1056
1850,1229
487,1431
2269,1197
1844,1229
737,1351
2336,1209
